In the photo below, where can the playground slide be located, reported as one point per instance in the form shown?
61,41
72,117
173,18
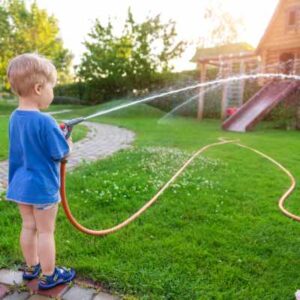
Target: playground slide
259,105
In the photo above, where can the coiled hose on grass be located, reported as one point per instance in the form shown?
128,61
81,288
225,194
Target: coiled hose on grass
222,141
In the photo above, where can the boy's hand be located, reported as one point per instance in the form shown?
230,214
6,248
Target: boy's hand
66,129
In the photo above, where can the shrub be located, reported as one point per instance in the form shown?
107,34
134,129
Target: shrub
65,100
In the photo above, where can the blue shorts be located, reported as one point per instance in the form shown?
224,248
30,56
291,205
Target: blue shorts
37,206
44,206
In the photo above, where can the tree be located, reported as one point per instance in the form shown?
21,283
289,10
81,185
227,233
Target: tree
224,28
131,60
5,37
31,30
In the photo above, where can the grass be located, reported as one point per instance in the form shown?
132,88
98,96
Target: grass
215,234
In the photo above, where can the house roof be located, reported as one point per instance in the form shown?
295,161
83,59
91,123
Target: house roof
237,48
268,29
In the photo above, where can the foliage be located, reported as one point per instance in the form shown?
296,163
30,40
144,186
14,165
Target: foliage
31,29
120,65
224,33
98,92
224,29
286,114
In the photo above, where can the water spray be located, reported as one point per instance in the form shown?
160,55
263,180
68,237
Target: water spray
67,126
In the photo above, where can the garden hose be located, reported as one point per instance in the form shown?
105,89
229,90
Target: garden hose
222,141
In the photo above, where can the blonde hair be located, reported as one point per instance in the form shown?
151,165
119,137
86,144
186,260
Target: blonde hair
28,69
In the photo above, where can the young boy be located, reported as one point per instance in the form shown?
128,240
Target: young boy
36,147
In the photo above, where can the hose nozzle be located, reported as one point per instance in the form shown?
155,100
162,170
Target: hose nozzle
67,126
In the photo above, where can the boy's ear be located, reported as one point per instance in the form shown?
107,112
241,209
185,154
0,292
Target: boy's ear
37,88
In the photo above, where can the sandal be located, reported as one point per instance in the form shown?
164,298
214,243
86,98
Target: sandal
61,275
31,272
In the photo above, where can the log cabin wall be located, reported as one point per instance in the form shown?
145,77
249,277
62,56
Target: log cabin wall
281,41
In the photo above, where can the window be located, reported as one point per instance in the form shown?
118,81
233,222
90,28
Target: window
292,18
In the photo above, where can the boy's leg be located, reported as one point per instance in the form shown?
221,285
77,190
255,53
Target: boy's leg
28,236
45,223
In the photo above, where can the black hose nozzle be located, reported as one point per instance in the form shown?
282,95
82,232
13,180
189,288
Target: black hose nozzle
74,122
67,126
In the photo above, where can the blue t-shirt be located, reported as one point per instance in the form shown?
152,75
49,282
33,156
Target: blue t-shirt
37,145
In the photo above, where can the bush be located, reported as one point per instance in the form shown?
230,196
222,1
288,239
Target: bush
65,100
103,90
69,91
284,115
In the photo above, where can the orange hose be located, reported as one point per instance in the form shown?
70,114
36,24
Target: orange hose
104,232
135,215
288,191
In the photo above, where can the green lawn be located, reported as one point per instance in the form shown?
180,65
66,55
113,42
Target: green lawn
215,234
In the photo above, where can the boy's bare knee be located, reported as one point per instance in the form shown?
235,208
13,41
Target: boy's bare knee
45,230
45,220
29,225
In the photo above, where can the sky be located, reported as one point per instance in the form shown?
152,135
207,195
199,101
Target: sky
76,18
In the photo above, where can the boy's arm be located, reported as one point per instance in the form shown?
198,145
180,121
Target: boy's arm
57,146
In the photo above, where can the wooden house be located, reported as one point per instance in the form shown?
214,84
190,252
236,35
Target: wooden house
277,52
280,44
